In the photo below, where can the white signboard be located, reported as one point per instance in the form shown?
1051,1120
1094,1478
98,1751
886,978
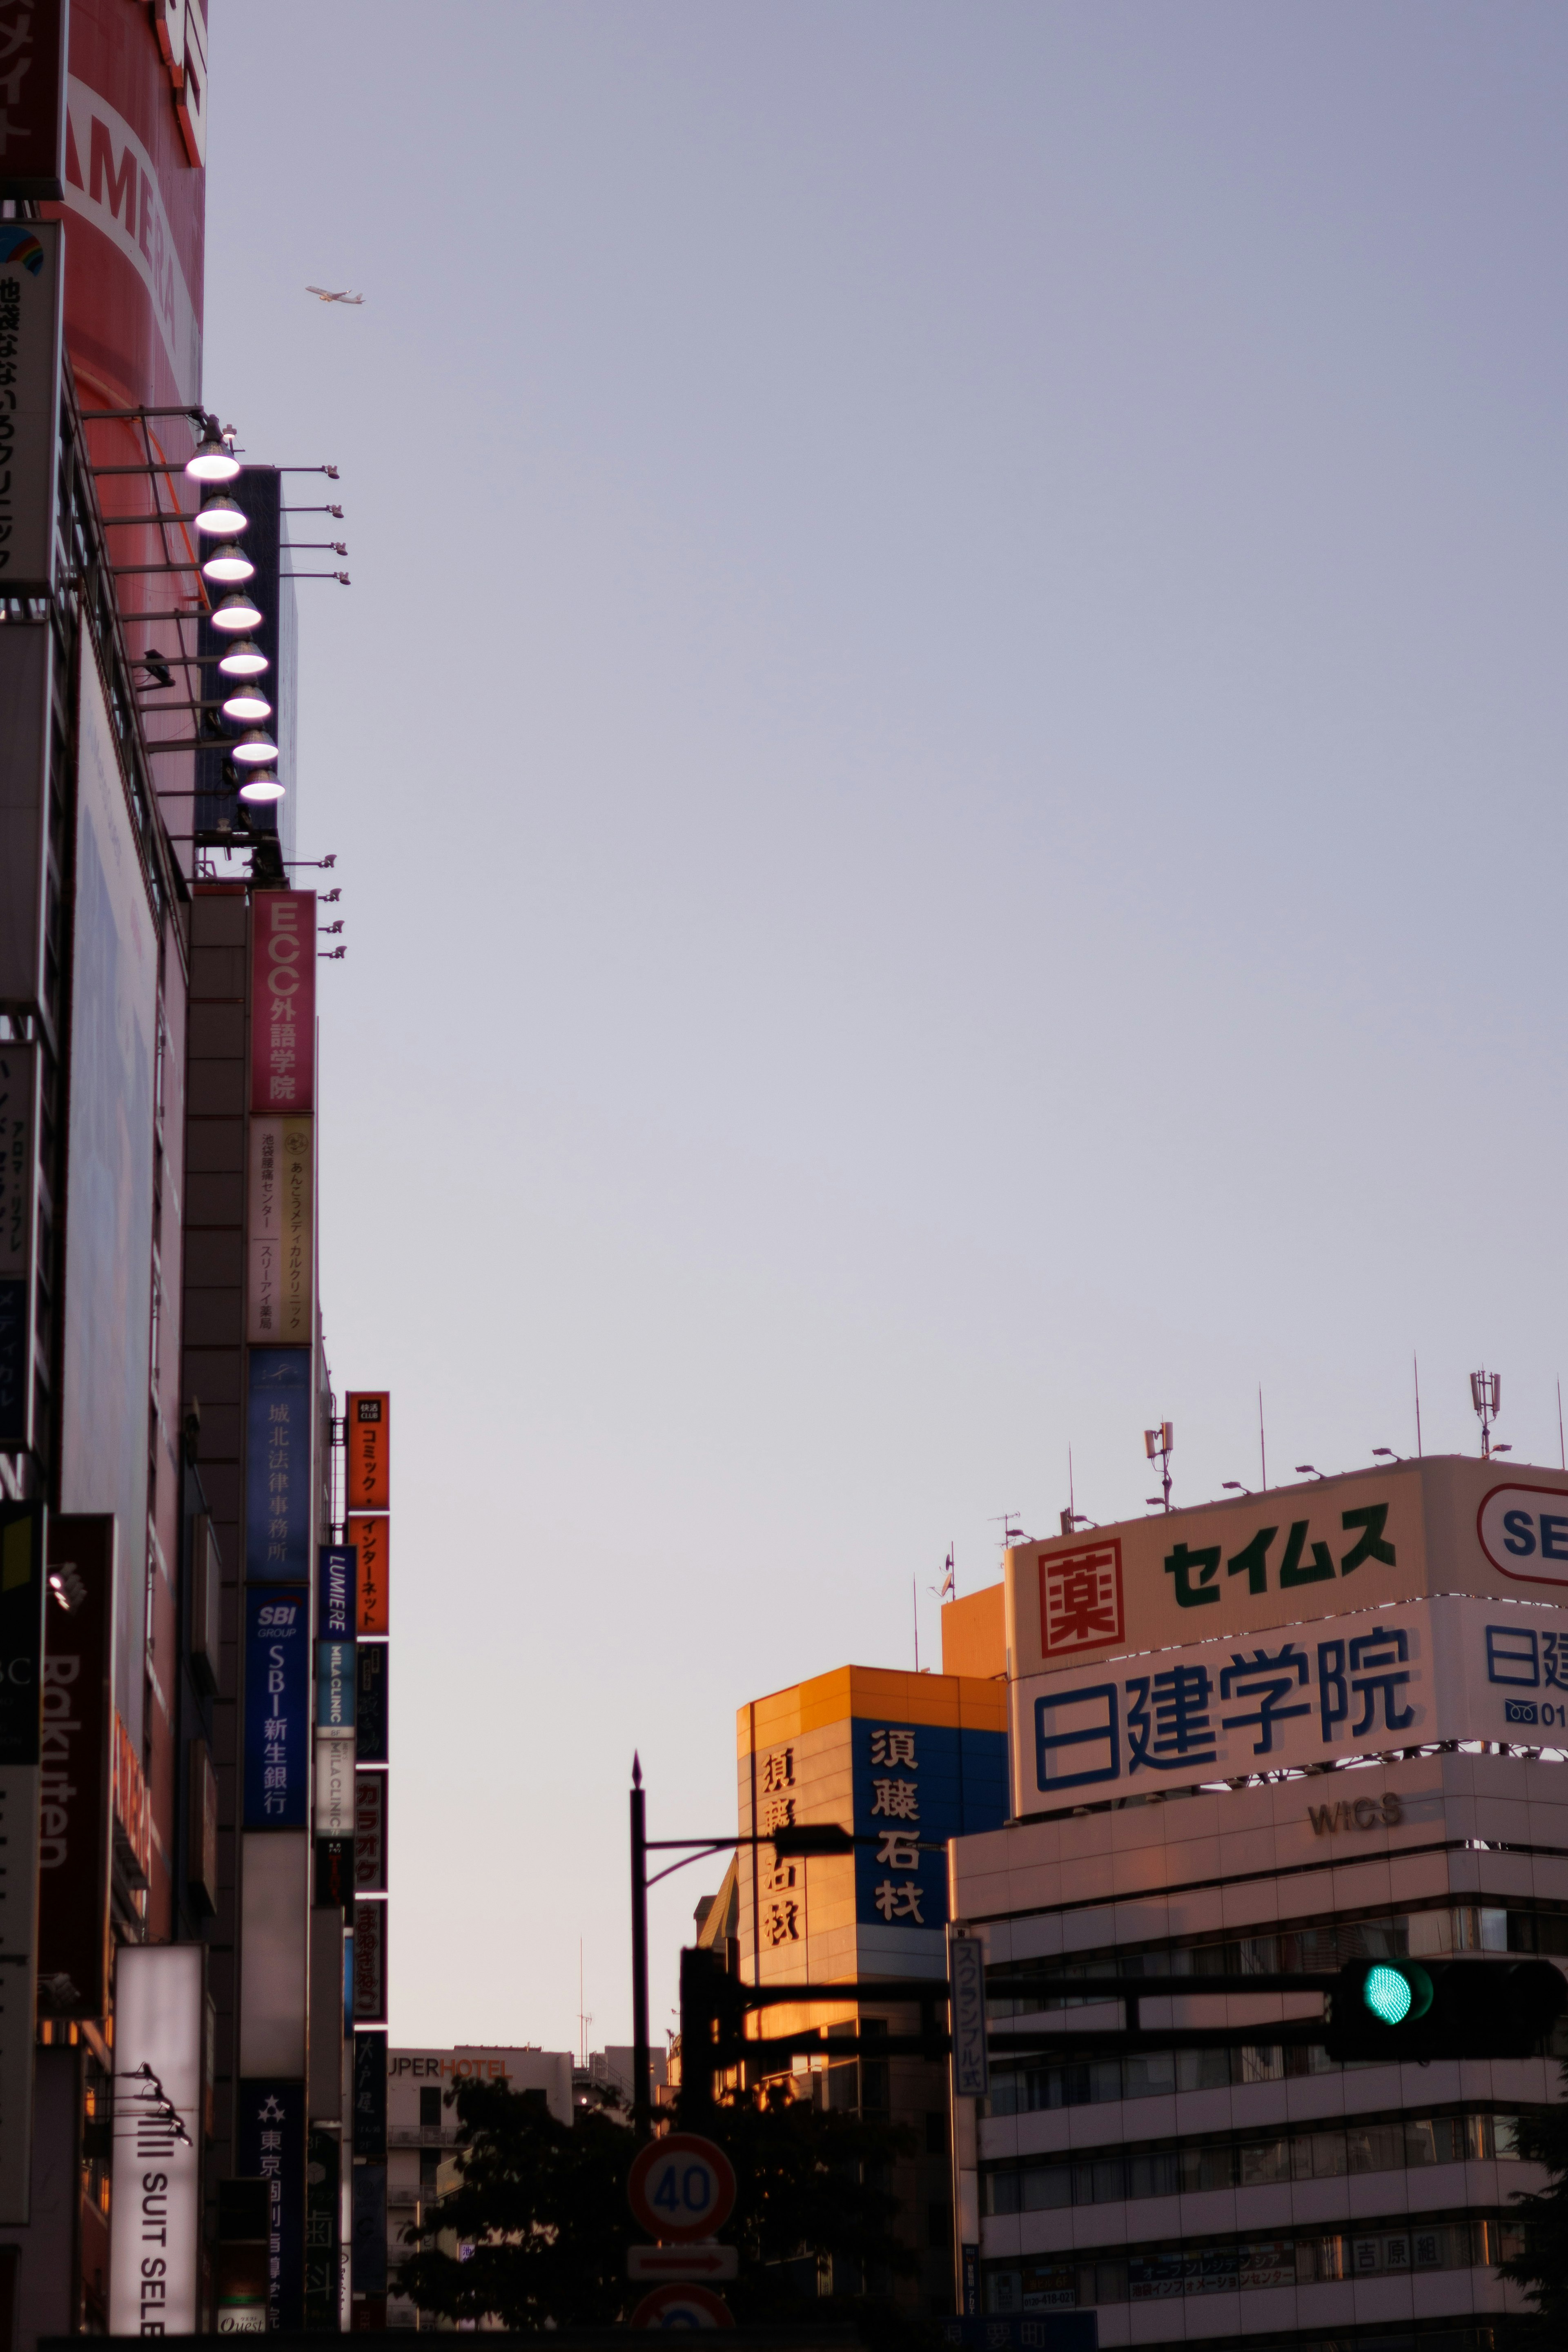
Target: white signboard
1360,1684
155,2230
335,1784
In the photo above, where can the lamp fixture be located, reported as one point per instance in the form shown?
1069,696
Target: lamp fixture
212,460
228,564
261,787
237,612
245,658
220,517
254,748
246,706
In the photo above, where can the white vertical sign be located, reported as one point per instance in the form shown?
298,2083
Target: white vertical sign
156,2231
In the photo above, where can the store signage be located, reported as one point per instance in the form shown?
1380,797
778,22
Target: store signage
966,1977
370,2095
18,1225
154,2244
1361,1684
33,87
1384,1813
369,1964
335,1592
367,1428
369,2223
283,1001
280,1207
277,1707
269,2143
1524,1531
334,1686
278,1513
369,1833
74,1827
371,1711
21,1661
30,270
334,1792
371,1539
334,1856
26,661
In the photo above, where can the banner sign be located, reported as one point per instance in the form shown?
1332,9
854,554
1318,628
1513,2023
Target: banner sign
370,1717
33,119
30,269
280,1286
914,1784
277,1708
335,1592
371,1541
1403,1533
283,1001
334,1686
1361,1684
334,1795
370,2228
270,2142
334,1856
26,663
370,2095
367,1423
369,1833
971,2059
74,1826
278,1513
369,1964
154,2244
321,2205
18,1225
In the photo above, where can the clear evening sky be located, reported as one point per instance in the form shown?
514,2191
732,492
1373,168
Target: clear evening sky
946,757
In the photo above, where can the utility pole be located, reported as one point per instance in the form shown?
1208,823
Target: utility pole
642,2105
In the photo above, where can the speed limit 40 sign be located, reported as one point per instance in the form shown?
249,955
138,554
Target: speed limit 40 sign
682,2187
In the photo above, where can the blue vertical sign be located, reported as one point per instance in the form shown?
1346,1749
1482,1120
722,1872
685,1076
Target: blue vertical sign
277,1708
337,1566
277,1514
334,1686
269,2141
915,1784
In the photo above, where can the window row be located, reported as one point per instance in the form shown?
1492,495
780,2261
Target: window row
1319,2154
1413,1934
1028,2085
1163,2272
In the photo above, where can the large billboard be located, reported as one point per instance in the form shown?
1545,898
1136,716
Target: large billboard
1290,1553
103,1407
1365,1683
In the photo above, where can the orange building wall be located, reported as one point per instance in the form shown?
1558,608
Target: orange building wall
973,1638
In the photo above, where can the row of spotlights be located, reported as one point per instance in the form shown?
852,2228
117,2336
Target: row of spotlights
220,518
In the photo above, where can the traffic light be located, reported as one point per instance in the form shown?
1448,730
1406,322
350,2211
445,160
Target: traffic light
1418,2009
712,2025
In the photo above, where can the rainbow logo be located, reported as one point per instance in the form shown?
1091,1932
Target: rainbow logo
21,244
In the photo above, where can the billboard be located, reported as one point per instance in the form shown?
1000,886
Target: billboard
32,122
21,1663
74,1825
30,278
370,1713
1295,1696
19,1075
283,1001
269,2143
154,2246
103,1413
369,1833
367,1440
369,1964
281,1210
334,1821
914,1784
371,1541
335,1592
1296,1552
277,1707
279,1535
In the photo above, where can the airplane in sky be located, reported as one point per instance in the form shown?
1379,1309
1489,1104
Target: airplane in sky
323,295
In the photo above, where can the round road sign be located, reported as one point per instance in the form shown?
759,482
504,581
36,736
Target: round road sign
683,2306
682,2187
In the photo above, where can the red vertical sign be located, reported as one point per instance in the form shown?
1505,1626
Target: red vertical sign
283,1001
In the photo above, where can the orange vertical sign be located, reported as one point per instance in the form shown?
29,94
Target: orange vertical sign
372,1542
367,1435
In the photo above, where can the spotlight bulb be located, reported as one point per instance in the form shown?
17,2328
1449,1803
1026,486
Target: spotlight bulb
243,658
228,564
246,706
261,788
237,612
219,516
254,747
212,461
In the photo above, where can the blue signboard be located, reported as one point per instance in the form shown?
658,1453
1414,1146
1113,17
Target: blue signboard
334,1686
277,1514
277,1708
917,1784
337,1565
270,2142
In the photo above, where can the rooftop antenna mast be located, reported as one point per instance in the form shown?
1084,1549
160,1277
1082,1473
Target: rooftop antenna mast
1486,1395
1158,1444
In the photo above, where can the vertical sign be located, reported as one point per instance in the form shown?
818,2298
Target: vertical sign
335,1592
32,116
18,1225
283,1001
278,1515
370,1963
369,1833
21,1663
270,2142
971,2057
277,1707
335,1799
279,1289
322,2194
74,1825
370,1712
370,2095
370,2228
30,262
154,2246
367,1429
26,663
371,1539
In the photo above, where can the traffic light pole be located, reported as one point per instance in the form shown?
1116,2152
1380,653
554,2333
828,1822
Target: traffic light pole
642,2063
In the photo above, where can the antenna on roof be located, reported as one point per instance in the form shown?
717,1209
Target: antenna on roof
1158,1444
1486,1395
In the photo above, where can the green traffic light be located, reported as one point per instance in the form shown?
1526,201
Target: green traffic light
1388,1995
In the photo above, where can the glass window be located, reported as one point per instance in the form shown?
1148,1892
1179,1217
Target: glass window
1045,2186
1001,2192
1004,2291
1156,2174
1263,2161
1420,2142
1203,2069
1260,2064
1505,2137
1151,2073
1374,2147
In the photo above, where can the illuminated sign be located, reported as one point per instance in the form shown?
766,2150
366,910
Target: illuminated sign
154,2243
335,1592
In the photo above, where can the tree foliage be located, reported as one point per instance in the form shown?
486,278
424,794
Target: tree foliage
541,2207
1542,2267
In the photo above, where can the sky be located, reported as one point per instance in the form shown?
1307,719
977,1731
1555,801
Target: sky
945,761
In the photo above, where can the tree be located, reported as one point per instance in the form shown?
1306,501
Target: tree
542,2208
1543,2267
